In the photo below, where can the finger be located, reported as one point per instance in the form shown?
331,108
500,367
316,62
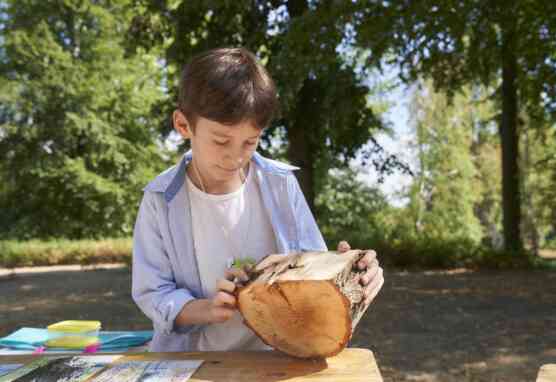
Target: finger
374,293
248,267
223,299
369,256
371,297
375,281
233,273
370,273
268,261
372,289
343,246
225,285
222,314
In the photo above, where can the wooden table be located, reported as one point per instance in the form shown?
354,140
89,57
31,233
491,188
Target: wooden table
351,365
547,373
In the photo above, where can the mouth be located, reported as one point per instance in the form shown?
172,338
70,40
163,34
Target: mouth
228,170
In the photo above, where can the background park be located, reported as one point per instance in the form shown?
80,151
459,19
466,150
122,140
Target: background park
424,130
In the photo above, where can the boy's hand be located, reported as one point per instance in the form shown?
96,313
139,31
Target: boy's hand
223,304
373,279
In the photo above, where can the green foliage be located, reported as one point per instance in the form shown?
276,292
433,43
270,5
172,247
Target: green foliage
76,131
538,163
80,117
442,197
507,44
453,218
352,211
325,114
60,252
423,253
460,43
243,263
486,152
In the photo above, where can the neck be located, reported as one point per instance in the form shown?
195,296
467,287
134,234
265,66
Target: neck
213,186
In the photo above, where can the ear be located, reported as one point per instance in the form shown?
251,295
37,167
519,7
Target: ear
181,125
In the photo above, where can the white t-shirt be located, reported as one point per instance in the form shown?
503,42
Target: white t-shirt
225,227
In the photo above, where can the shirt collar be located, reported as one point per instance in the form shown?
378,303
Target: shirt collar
171,181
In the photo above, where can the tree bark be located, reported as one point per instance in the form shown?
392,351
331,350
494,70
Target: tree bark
300,150
510,150
300,154
306,305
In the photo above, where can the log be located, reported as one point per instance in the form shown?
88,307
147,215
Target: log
307,305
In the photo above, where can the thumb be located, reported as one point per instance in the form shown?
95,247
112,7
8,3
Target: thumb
343,246
270,260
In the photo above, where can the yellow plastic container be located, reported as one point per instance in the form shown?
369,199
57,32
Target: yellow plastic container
73,334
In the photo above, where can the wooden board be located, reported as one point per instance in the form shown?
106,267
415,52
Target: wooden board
547,373
351,365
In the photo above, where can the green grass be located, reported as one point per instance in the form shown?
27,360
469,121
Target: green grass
410,254
61,252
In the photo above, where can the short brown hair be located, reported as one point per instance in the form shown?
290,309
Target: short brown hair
227,85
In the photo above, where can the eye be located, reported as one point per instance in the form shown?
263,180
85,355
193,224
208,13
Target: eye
221,143
251,143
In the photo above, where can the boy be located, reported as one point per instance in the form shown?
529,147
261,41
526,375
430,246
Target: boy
221,203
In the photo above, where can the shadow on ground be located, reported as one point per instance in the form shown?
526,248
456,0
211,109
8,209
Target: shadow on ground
424,326
471,326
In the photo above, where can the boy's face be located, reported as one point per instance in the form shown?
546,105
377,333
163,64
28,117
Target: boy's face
219,150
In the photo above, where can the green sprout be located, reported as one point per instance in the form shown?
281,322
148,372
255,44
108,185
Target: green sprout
242,263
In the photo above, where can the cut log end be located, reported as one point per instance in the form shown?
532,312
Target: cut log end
306,306
305,318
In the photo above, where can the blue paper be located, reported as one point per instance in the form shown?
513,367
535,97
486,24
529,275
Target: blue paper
31,338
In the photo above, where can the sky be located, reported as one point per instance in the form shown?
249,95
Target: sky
398,117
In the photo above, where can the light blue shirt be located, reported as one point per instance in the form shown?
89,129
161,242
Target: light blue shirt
165,273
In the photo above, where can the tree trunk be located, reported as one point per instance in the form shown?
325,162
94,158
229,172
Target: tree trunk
509,138
300,150
306,305
300,154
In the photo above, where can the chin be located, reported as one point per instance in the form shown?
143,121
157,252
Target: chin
225,175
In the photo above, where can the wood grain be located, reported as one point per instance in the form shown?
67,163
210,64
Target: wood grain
547,373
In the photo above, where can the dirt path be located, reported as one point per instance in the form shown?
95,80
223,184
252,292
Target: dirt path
425,326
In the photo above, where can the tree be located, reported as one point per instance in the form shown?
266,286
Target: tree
443,195
351,210
485,151
510,44
325,115
76,135
539,183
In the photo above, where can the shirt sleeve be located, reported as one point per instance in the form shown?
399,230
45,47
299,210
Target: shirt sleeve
154,287
308,233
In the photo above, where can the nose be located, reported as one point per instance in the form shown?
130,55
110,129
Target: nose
237,159
238,162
